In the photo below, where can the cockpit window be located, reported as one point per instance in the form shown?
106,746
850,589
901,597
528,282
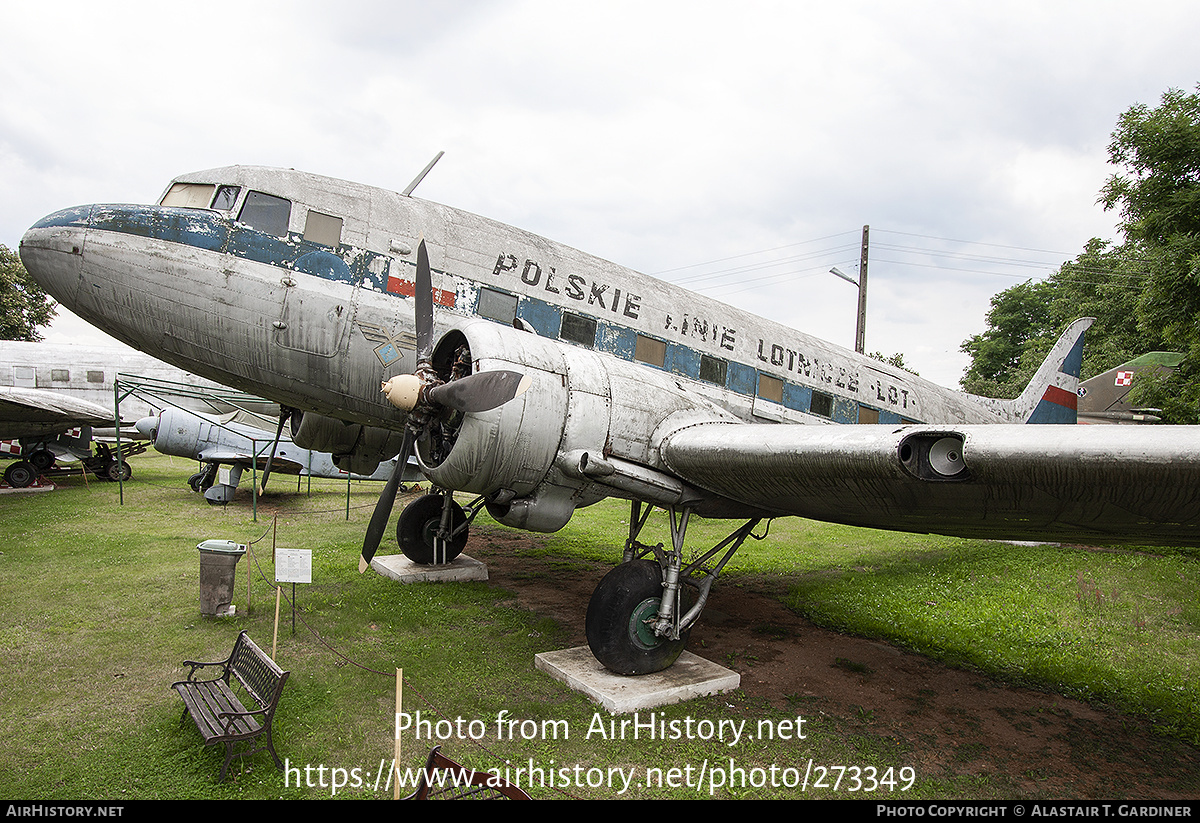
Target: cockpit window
266,212
226,197
189,195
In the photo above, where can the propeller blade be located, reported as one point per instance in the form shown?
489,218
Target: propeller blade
480,391
283,416
424,305
383,509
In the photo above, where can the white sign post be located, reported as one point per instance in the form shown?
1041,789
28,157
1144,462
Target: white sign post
291,566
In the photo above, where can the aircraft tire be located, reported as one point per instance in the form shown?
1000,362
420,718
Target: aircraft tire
118,470
417,525
627,596
20,474
42,459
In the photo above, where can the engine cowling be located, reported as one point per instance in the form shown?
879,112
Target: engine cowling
355,448
530,456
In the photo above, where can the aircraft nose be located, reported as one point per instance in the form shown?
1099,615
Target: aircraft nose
52,251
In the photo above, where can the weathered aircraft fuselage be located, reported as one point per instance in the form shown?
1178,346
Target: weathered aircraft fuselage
241,259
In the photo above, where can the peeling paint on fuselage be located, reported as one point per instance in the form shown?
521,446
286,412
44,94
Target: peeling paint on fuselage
269,289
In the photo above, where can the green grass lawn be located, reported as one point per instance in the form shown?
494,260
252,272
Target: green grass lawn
101,607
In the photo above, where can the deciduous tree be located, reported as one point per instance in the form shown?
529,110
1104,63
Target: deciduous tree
24,307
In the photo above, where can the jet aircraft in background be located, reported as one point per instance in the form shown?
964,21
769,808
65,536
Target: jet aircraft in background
1105,397
542,379
239,440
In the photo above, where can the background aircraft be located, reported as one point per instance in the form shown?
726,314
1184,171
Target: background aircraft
542,379
1105,397
239,440
37,427
88,372
68,386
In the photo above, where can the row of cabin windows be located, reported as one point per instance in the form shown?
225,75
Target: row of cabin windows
261,211
272,215
581,330
26,376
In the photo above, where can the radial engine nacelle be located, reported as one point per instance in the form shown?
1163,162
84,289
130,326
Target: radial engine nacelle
585,429
355,448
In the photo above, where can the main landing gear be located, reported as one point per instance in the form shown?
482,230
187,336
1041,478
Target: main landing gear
636,620
432,530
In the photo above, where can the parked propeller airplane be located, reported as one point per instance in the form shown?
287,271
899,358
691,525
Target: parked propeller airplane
237,440
548,380
37,426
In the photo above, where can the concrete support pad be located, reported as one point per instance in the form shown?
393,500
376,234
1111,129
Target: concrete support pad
691,676
36,487
402,570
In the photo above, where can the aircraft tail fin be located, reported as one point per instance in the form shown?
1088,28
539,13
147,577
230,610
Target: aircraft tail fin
1052,394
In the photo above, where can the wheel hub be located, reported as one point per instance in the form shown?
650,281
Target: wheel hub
641,621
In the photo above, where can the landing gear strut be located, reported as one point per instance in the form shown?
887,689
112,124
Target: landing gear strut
636,623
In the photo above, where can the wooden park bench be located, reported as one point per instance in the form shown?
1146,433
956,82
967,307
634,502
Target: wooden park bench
219,706
443,779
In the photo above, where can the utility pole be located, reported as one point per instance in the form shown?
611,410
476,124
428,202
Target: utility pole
860,328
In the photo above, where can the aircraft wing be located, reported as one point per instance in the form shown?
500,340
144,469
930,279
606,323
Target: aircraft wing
1017,482
280,463
33,413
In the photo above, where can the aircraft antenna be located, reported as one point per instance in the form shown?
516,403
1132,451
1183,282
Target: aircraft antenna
417,180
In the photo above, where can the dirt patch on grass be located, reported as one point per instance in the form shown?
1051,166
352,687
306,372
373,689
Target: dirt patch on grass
945,722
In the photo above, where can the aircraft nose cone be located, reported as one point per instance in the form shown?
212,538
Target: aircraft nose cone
147,427
52,252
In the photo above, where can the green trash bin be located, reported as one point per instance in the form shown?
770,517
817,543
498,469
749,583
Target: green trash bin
218,568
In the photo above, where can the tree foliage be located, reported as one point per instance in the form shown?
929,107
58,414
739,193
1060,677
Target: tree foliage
1144,293
24,307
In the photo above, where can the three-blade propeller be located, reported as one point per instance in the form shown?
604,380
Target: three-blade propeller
423,390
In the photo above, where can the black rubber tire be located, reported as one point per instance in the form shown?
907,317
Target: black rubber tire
42,459
118,470
417,524
20,475
628,594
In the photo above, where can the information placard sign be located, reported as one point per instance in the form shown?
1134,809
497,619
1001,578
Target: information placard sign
293,565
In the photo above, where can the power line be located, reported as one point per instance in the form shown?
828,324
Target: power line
733,280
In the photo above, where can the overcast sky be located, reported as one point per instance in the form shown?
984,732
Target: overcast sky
736,148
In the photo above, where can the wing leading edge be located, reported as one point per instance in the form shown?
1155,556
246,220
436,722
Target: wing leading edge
1015,482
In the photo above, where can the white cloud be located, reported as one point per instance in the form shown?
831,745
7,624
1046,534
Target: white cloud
658,134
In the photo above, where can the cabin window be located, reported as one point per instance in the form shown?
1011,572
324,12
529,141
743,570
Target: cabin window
95,376
266,213
713,369
821,404
497,305
868,415
60,375
649,350
578,329
770,388
189,195
323,228
226,197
